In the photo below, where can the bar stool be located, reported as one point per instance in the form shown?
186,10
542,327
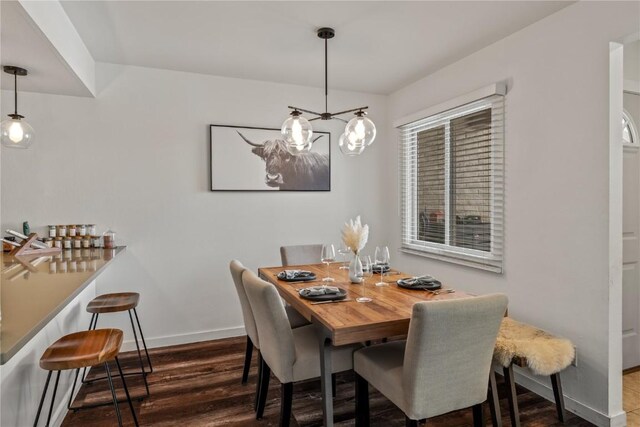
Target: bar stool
115,303
80,350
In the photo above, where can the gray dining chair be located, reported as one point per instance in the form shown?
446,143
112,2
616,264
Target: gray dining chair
293,317
300,254
444,364
291,354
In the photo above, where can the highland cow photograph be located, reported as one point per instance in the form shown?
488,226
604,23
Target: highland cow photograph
257,159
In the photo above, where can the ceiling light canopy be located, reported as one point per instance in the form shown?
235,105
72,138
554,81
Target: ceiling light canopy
359,132
15,132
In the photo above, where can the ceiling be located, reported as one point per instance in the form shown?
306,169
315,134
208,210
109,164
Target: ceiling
379,46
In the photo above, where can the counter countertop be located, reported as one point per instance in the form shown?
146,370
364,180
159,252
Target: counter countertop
34,291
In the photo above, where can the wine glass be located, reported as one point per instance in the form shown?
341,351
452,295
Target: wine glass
382,260
367,271
327,257
344,250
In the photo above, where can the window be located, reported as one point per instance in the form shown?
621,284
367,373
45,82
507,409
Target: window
451,166
629,134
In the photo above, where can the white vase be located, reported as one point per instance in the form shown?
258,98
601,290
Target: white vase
355,269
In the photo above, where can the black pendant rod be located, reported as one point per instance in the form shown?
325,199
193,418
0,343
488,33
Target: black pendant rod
15,93
326,79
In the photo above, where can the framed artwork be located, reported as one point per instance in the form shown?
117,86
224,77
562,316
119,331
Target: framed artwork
256,159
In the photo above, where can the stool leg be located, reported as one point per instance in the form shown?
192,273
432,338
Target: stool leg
44,393
126,392
73,389
247,360
557,393
135,338
92,325
53,399
512,396
113,393
144,344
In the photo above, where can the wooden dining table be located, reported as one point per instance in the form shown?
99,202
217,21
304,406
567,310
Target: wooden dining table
349,322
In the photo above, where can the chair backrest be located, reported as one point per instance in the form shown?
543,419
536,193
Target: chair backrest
277,346
448,354
237,269
300,254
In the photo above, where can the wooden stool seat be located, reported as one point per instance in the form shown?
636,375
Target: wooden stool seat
82,349
112,303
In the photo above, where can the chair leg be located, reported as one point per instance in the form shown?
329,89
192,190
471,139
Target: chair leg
247,360
362,402
113,394
478,415
258,382
126,392
44,394
286,400
494,400
512,396
559,397
264,388
333,385
409,422
144,344
135,338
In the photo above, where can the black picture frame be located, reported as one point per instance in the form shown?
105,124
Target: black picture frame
231,168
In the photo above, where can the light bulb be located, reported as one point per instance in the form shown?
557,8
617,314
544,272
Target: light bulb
297,133
360,130
350,147
16,133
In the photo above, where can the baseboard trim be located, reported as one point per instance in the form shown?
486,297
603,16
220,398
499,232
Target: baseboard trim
213,334
592,415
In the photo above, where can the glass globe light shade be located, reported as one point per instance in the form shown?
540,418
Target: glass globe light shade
360,130
350,148
297,133
16,133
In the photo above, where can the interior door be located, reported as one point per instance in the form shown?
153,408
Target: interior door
631,258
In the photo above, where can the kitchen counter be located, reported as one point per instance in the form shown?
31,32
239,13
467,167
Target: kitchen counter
33,292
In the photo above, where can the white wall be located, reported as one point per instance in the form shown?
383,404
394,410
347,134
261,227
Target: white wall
135,159
632,66
556,264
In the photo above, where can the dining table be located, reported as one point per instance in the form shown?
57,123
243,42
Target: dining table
348,322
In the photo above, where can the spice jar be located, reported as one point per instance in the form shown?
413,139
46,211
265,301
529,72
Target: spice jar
67,244
86,242
109,239
57,243
77,242
52,231
62,231
95,241
48,241
72,230
61,266
82,230
91,230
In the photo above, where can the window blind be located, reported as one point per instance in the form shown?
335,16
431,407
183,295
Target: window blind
452,184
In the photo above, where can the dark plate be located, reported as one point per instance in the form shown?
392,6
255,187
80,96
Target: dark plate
342,294
303,278
430,285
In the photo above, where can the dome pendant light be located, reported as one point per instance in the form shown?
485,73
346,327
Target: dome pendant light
15,132
358,134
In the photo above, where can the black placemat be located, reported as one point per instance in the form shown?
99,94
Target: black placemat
419,284
341,294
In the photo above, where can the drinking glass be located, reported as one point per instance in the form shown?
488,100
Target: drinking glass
382,260
367,271
327,257
344,250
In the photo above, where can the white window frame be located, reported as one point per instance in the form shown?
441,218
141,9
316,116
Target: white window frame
632,130
493,97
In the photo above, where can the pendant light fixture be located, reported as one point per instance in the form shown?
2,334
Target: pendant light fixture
15,132
358,134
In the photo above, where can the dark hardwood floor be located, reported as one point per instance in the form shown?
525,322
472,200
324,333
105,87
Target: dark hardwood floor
199,385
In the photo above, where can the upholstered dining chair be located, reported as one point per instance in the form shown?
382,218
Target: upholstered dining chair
291,354
444,364
294,318
300,254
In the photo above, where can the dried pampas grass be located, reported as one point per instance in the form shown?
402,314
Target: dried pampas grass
355,235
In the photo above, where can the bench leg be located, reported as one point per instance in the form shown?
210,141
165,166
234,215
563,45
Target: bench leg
512,396
557,394
362,402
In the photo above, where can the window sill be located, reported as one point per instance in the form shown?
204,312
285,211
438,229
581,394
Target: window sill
454,259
